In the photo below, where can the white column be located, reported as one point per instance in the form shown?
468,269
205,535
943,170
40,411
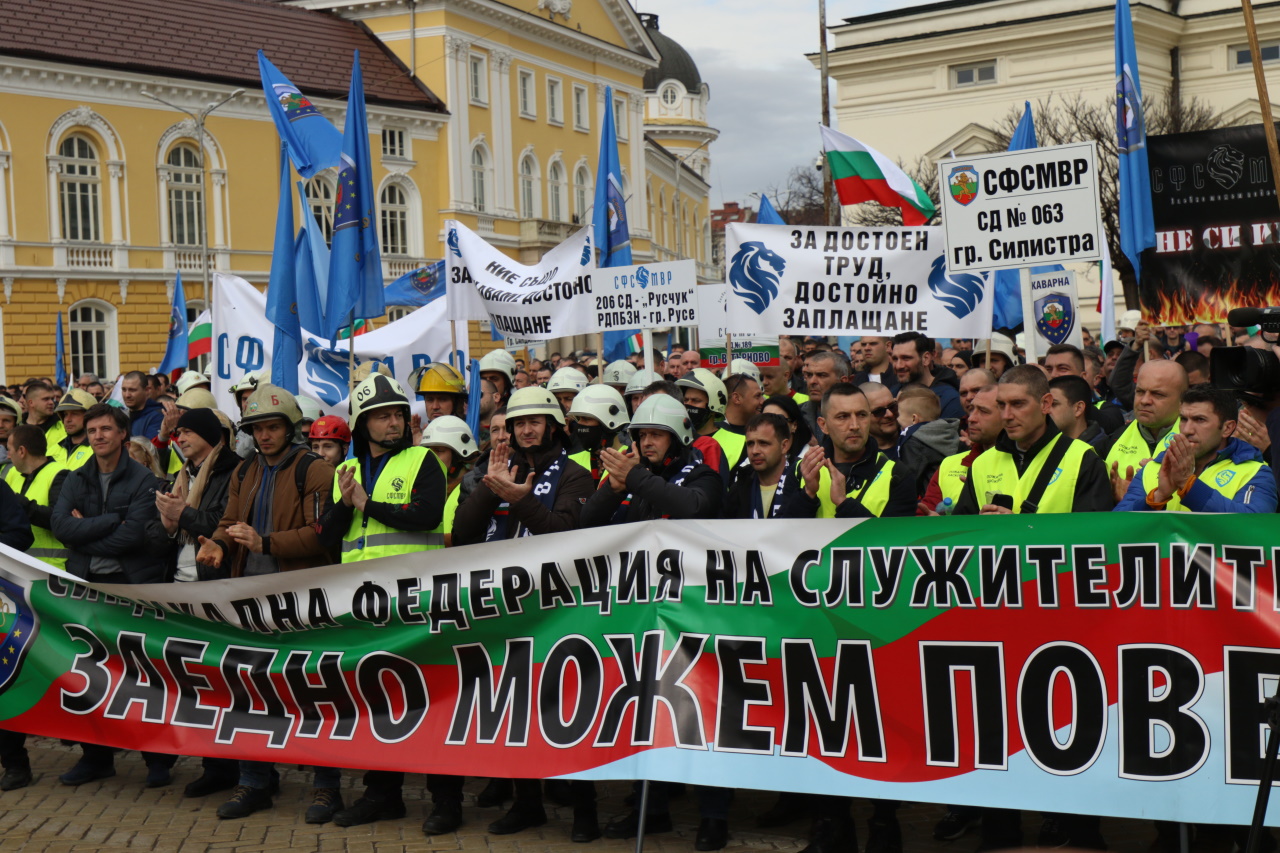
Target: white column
4,196
115,169
219,188
639,204
458,49
55,226
500,124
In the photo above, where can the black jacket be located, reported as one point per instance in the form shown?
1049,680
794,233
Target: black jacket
203,520
125,526
471,519
701,495
15,531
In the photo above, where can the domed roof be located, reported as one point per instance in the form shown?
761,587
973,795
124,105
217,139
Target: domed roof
676,63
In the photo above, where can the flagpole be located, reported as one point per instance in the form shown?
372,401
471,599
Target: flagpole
351,355
826,102
453,342
728,353
600,357
1268,123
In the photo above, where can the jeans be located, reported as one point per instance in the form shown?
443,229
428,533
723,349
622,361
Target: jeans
257,774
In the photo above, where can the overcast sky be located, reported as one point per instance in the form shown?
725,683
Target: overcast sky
765,98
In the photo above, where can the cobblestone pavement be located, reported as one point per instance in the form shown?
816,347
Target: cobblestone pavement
119,814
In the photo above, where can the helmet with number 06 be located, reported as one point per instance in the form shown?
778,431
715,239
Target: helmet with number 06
270,401
663,412
376,392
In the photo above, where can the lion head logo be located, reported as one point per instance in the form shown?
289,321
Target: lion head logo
959,292
1226,165
753,274
453,243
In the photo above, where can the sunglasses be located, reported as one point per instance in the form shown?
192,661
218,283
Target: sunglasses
881,411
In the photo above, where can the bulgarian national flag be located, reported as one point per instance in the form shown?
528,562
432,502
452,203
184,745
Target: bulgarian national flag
864,174
200,336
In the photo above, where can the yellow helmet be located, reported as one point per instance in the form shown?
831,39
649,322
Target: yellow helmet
75,400
437,378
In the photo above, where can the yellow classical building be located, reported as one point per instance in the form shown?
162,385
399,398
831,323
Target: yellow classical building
480,111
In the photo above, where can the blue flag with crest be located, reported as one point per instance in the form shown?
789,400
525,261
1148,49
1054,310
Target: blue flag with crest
355,262
611,228
314,143
282,289
1007,304
60,369
417,287
1137,224
175,350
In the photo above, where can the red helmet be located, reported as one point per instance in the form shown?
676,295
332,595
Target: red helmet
331,427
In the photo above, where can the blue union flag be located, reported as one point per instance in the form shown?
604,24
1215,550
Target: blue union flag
346,207
18,626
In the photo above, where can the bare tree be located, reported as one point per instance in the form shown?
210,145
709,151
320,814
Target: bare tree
799,200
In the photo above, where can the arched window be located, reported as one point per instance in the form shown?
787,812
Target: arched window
186,188
78,190
555,191
670,96
394,212
320,200
528,209
581,193
93,338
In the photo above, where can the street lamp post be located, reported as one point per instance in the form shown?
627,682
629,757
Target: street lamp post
199,119
680,205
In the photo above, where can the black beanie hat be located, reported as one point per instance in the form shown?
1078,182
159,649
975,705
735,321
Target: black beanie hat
204,423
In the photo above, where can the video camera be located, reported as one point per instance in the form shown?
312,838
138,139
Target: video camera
1250,372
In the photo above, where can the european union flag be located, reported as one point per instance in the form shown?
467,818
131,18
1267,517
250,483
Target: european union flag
311,268
175,351
282,289
314,143
1137,224
355,263
60,369
609,217
1007,305
768,215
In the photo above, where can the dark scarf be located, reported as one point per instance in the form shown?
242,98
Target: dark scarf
544,489
676,479
757,503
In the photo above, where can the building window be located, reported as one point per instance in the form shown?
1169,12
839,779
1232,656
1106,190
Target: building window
527,172
320,199
78,182
528,95
555,101
1268,50
393,143
479,184
581,109
398,313
93,333
670,96
555,191
620,119
186,186
581,194
393,209
977,74
478,81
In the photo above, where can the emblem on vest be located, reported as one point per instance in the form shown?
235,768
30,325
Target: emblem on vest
1224,477
1057,472
397,485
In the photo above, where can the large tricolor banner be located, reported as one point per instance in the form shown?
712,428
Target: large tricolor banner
797,279
1112,665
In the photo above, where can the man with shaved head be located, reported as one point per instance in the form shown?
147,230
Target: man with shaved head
1157,398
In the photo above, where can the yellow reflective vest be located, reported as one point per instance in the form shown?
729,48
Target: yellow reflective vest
872,493
1130,449
732,443
367,538
82,454
994,471
951,476
46,546
1224,476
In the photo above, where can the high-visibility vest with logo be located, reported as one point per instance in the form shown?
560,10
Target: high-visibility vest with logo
46,546
994,471
732,443
82,454
1130,449
1224,476
951,476
367,538
873,494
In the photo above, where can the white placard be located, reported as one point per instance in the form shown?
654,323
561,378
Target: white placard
646,296
243,339
1022,208
801,280
1051,309
713,316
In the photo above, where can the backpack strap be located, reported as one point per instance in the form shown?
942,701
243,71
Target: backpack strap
1032,502
299,470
